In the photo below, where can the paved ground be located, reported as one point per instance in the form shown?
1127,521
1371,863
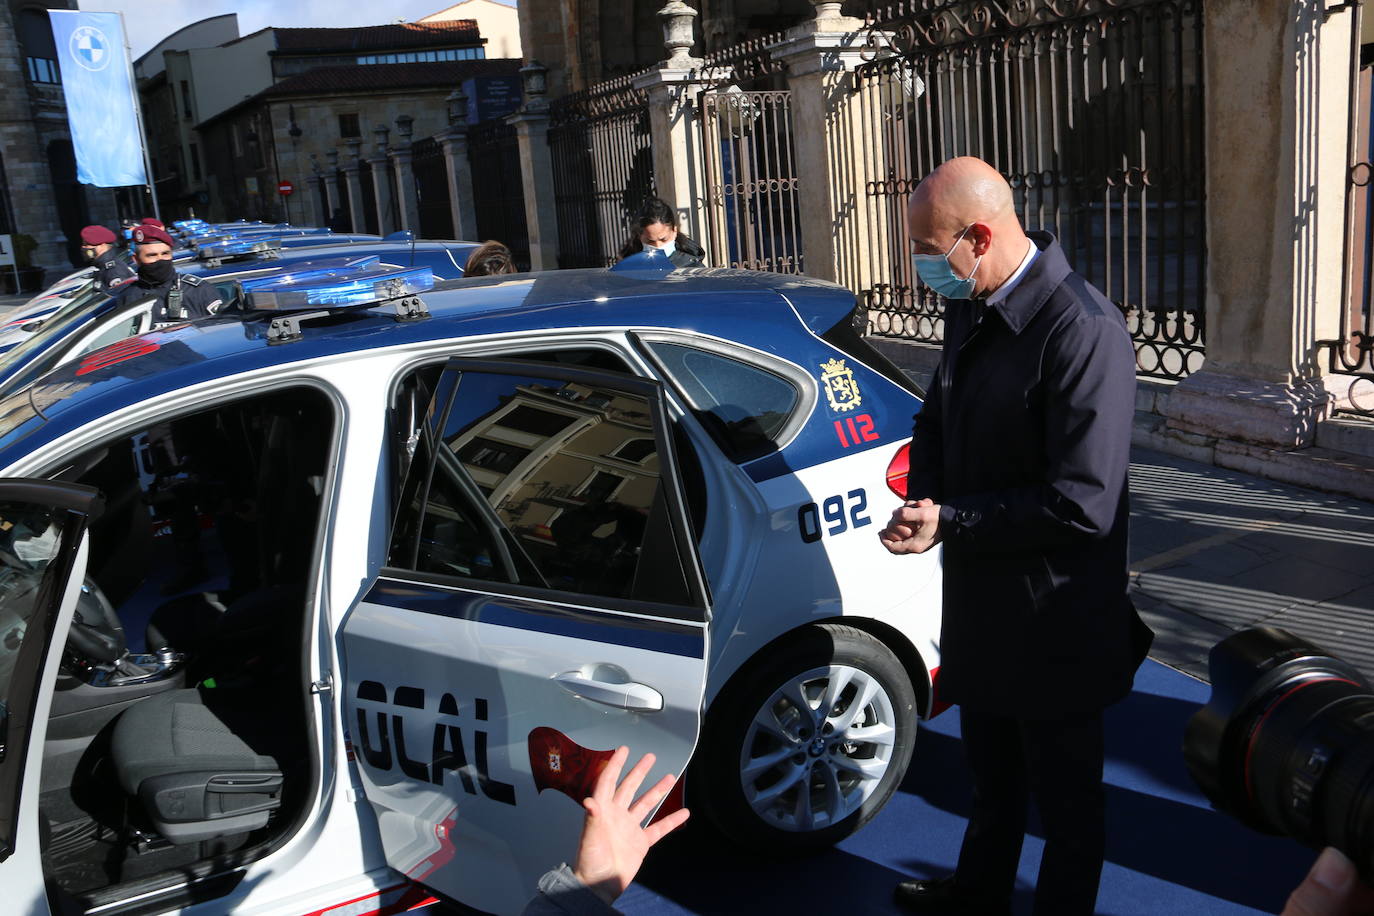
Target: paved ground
1214,551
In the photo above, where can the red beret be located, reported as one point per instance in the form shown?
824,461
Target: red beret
147,235
97,235
149,221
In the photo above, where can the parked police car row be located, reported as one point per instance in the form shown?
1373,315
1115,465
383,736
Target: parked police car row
341,599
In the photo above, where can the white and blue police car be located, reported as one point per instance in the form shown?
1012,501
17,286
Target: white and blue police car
343,604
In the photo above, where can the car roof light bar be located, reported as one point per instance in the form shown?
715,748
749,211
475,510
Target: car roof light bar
370,285
313,273
239,248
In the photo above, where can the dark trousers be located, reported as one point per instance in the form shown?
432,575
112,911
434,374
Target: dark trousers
1058,762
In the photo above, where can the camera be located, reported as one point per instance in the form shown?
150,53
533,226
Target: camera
1286,742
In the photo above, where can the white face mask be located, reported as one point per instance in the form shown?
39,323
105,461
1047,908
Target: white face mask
667,248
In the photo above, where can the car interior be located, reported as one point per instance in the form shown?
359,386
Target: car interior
178,743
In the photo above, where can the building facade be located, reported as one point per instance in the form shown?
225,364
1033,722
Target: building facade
42,205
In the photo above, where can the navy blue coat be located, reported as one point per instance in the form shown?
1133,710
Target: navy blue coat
1024,441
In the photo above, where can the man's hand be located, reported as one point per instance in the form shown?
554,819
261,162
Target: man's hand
1331,888
915,527
613,842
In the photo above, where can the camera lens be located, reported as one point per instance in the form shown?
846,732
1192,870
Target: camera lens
1286,742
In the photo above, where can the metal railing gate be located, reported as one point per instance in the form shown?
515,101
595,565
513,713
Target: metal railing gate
1093,111
498,188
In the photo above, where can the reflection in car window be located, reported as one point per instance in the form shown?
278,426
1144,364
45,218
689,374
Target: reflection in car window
527,487
28,542
744,407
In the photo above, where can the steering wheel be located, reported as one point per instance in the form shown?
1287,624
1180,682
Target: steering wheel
96,633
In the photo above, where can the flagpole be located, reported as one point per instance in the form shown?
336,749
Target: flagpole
138,115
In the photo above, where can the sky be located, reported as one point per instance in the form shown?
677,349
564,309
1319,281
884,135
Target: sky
149,23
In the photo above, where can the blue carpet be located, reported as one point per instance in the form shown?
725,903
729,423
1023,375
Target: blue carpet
1167,851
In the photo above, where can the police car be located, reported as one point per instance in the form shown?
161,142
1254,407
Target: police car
22,321
344,604
93,319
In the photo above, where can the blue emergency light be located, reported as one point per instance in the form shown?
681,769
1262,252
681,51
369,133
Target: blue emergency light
313,274
370,285
221,250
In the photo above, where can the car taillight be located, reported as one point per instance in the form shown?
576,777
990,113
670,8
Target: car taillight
897,471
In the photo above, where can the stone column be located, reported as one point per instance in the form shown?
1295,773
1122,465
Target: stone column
454,142
673,123
381,192
355,196
331,195
821,56
536,171
1276,136
408,213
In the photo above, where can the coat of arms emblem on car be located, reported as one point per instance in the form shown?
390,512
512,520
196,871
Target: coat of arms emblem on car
841,390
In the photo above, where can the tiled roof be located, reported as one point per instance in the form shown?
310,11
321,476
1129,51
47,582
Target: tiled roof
390,76
379,37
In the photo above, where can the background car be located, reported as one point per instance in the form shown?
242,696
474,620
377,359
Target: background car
405,571
93,319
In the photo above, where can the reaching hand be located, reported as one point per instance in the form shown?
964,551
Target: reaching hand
915,528
1331,888
613,842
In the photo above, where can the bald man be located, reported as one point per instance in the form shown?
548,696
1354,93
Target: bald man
1018,468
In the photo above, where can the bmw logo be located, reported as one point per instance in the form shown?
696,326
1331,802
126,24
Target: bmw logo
90,48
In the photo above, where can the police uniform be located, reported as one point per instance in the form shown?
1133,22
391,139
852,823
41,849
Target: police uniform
181,297
112,270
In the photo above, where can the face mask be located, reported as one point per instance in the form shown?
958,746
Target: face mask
156,273
935,272
667,248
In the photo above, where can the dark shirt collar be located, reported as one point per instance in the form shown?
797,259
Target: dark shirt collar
1036,285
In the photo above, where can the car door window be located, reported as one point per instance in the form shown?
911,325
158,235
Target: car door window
119,328
41,526
745,408
547,480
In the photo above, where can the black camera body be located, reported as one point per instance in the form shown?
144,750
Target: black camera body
1286,742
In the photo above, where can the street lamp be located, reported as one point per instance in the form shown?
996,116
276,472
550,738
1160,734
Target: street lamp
405,126
381,132
355,145
535,77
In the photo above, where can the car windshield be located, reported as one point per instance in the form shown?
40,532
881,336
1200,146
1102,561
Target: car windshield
56,325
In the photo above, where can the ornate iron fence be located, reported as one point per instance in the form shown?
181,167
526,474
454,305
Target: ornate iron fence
750,209
431,189
603,169
1352,352
752,217
498,188
1092,109
343,208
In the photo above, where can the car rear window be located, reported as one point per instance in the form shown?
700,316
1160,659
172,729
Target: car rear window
744,407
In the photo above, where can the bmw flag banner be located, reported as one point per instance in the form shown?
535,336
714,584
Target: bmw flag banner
100,98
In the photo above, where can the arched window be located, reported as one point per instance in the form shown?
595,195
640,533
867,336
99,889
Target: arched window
40,52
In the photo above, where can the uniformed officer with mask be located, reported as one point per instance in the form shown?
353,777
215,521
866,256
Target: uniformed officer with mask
177,297
98,247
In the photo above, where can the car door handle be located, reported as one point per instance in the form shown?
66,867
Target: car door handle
624,694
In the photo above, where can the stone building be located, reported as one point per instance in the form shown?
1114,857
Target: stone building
497,20
39,195
230,121
1221,198
336,122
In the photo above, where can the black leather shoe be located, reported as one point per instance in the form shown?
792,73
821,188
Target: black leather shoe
940,897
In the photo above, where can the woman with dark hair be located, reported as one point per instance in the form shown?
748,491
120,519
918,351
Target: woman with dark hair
656,227
488,259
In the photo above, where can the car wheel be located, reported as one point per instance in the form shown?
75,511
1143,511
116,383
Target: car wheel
808,742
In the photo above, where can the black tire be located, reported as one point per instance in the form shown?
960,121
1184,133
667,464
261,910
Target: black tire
717,785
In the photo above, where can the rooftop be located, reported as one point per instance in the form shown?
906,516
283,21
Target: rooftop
378,37
389,76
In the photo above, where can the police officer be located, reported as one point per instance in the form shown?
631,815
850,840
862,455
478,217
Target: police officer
177,297
98,247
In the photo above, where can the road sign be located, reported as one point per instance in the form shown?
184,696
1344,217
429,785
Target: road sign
285,188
